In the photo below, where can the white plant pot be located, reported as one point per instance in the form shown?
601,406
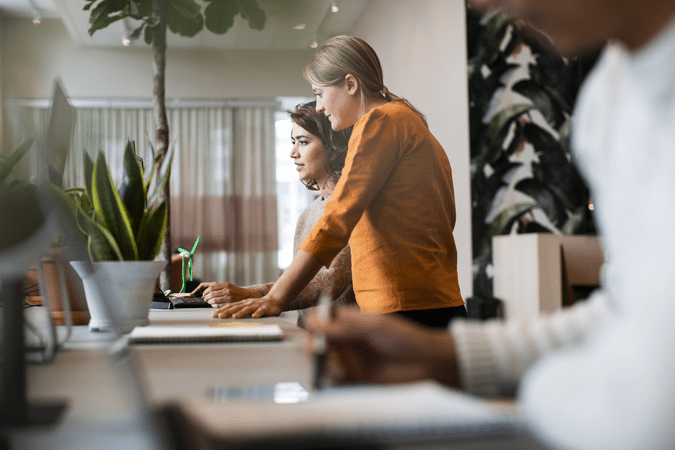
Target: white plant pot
128,288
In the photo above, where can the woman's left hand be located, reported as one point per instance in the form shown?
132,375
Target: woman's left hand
220,294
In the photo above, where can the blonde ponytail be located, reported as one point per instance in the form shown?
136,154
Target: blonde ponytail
343,55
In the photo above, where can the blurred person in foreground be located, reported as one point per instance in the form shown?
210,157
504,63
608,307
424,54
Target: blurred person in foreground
598,374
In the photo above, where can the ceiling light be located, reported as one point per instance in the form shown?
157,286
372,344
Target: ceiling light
314,43
334,7
126,41
300,26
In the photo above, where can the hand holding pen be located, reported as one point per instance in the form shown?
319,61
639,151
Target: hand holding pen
377,348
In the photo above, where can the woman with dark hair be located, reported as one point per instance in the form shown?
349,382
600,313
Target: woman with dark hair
319,156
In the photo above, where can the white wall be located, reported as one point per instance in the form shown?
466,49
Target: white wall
422,48
421,45
35,55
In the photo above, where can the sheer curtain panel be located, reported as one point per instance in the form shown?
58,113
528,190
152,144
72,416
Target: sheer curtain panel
223,185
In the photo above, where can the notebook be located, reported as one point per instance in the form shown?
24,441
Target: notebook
217,332
362,416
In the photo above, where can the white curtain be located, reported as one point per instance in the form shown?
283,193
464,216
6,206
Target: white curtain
223,185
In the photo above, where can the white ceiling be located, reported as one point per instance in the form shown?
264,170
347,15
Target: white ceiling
278,34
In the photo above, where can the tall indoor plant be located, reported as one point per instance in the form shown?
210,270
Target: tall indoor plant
182,17
125,227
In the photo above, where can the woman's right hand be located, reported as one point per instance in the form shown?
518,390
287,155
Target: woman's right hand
376,348
220,294
264,306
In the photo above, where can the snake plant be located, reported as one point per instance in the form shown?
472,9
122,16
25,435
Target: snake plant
123,223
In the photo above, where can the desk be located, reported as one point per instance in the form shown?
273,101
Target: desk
232,364
102,413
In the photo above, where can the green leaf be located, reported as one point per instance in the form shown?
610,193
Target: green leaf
88,172
573,224
148,34
542,100
89,5
111,210
149,168
250,11
184,17
491,149
219,15
163,177
8,164
132,187
70,196
137,32
505,219
105,13
144,10
546,199
151,233
86,205
102,245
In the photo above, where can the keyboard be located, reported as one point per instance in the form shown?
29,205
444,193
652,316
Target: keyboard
189,302
160,301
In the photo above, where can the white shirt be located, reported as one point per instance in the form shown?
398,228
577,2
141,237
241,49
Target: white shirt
618,389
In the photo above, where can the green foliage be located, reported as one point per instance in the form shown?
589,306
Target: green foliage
183,17
498,133
8,164
121,223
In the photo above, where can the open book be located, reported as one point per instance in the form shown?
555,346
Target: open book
346,417
216,332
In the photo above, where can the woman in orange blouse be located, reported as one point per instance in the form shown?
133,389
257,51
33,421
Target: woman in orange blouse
394,203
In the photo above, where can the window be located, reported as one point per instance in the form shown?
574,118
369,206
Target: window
292,196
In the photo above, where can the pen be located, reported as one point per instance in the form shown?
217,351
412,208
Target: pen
319,340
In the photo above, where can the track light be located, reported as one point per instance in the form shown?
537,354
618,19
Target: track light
334,7
37,14
314,43
127,30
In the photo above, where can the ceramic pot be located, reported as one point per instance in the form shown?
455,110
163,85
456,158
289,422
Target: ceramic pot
126,286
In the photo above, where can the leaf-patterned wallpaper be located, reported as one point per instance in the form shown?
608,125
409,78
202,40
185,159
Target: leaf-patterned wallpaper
523,179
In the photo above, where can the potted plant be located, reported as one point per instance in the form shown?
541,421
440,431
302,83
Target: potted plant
153,19
125,227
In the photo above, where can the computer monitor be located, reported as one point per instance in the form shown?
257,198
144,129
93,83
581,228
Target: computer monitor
59,135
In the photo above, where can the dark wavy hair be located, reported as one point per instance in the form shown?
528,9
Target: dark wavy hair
335,143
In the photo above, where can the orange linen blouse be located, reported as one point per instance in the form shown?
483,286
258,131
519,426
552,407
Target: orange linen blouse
395,206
